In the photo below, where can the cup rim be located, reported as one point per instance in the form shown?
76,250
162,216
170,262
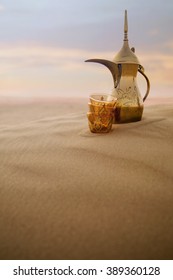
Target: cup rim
101,106
95,99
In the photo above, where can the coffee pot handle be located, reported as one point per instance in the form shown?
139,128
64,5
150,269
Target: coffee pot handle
141,70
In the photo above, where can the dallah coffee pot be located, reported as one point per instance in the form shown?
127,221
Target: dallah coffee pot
124,69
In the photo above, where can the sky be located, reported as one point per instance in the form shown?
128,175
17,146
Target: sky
44,43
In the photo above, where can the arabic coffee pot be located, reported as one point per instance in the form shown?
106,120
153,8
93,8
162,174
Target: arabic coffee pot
124,69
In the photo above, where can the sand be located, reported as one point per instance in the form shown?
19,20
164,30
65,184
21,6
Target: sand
66,193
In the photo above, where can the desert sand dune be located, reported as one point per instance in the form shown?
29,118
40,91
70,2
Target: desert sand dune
66,193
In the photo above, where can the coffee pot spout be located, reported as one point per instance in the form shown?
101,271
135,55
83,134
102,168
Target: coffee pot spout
114,68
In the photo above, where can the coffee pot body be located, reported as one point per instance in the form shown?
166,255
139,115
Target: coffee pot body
130,103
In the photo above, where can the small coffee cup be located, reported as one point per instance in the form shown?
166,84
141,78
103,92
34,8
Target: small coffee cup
100,123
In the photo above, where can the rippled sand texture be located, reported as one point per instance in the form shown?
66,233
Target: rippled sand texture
66,193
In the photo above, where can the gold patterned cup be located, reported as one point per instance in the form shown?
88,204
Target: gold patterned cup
103,100
100,123
99,109
101,115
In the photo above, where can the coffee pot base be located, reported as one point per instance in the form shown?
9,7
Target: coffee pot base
127,114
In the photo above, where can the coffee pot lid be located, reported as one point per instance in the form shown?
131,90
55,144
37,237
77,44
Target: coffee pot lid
126,55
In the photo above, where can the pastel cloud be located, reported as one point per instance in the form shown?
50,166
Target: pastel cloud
45,70
1,7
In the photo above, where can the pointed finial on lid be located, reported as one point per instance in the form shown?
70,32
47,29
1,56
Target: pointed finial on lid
125,27
126,55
